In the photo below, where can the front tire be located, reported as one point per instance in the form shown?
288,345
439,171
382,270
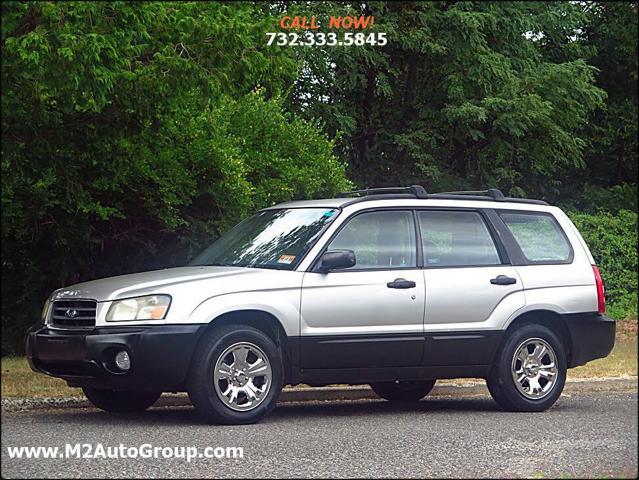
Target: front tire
120,401
529,371
236,375
403,391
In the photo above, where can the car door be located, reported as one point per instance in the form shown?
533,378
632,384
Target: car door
369,315
471,289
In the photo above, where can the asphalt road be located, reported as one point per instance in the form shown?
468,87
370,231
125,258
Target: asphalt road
585,435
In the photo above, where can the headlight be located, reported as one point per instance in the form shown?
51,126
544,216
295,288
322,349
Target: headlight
45,310
152,307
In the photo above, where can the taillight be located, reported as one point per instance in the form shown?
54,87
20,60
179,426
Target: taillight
601,296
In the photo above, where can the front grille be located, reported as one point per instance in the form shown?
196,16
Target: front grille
74,313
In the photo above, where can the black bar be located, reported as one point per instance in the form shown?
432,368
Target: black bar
416,190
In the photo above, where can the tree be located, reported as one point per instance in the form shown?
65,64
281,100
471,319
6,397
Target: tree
611,157
134,133
465,95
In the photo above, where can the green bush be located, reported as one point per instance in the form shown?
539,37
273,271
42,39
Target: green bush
612,239
132,135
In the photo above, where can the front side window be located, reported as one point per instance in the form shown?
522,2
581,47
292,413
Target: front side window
384,239
539,236
276,239
454,239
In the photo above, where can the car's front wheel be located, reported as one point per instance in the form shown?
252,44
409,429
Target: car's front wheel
121,401
410,391
529,371
236,375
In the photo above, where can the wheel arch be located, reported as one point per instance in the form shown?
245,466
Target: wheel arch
549,319
261,320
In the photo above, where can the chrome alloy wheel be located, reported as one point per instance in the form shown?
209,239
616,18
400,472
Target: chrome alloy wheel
242,376
534,368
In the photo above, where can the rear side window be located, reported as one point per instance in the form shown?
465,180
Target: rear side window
454,239
539,236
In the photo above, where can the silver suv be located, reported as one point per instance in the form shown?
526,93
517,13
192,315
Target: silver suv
392,287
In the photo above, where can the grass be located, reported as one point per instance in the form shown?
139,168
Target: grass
19,381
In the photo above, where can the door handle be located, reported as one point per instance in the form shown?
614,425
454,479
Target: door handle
503,280
401,283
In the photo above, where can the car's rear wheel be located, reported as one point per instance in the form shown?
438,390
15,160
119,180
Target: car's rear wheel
529,371
236,375
410,391
121,401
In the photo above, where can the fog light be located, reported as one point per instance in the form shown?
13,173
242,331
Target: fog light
122,360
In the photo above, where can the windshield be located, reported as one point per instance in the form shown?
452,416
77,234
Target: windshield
271,239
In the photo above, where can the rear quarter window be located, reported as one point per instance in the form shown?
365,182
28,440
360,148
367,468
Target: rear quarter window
539,236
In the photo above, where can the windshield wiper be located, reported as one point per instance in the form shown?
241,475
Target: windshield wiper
265,265
242,265
222,265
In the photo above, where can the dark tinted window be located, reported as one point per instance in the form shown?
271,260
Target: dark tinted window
456,239
539,236
379,239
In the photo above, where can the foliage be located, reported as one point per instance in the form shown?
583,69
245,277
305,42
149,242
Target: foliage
466,94
592,198
612,239
134,133
611,33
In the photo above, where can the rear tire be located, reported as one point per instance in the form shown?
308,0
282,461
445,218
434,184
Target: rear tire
403,391
121,401
236,375
529,371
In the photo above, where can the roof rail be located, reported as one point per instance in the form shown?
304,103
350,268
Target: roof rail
491,192
417,191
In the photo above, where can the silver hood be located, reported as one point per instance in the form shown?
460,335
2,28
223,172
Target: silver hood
125,286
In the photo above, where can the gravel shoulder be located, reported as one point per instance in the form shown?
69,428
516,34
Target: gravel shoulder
454,388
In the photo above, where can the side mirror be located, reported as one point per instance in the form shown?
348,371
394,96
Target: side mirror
336,260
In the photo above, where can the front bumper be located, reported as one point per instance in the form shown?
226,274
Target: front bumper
160,355
592,336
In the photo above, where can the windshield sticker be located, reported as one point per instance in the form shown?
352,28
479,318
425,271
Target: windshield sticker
288,259
329,213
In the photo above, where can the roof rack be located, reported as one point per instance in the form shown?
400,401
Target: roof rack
417,191
493,193
414,190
